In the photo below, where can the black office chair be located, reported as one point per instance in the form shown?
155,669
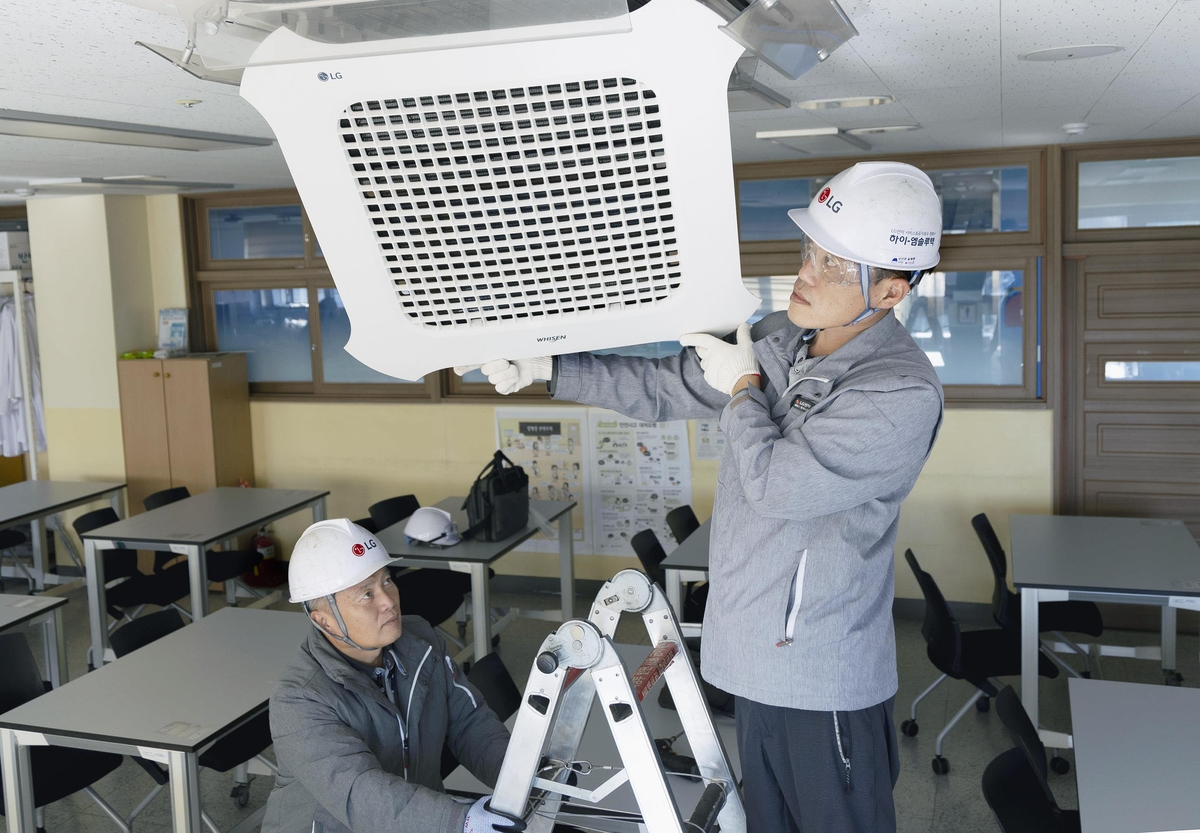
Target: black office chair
499,691
683,522
1053,617
10,539
58,771
392,510
1016,785
650,554
974,656
237,747
221,566
368,525
135,589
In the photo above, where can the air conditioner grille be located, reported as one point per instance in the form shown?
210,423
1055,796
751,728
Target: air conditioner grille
518,203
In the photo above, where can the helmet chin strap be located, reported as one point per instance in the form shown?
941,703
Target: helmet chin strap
864,279
337,615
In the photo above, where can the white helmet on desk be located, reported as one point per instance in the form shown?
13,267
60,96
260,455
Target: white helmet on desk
431,525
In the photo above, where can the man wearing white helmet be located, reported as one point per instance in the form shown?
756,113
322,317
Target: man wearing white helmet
830,411
360,717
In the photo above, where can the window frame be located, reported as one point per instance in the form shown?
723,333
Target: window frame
1115,152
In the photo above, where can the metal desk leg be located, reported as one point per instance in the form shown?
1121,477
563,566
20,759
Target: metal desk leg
54,646
1168,637
117,504
185,792
18,783
318,510
566,565
37,535
93,562
674,590
481,616
1029,652
198,576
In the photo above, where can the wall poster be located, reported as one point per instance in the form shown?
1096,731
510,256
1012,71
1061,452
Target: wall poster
551,445
710,439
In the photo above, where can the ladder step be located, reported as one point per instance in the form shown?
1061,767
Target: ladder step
652,667
712,801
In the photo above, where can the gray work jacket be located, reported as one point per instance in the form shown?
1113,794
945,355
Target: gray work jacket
340,750
801,561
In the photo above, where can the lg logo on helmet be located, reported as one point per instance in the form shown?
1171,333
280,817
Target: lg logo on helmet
361,549
833,205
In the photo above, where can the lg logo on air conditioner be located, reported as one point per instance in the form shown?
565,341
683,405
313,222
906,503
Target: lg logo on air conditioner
329,76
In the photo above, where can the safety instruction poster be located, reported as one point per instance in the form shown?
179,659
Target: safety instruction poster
641,472
551,445
710,440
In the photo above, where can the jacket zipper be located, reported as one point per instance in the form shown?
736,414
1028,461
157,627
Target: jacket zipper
456,684
412,688
837,733
793,611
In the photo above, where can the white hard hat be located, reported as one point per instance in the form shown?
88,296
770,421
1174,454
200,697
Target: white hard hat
431,525
883,214
331,556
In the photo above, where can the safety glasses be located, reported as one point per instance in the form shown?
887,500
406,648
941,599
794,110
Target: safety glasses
830,269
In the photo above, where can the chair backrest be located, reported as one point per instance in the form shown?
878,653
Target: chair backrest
943,638
682,521
496,685
393,510
996,557
651,554
1024,735
21,680
144,630
165,496
1010,788
117,563
368,525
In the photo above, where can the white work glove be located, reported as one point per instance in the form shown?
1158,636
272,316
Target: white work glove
723,363
481,819
510,377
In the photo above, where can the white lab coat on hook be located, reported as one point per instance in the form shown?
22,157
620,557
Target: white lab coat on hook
13,434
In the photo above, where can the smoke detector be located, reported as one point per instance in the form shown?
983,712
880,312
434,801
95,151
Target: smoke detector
485,195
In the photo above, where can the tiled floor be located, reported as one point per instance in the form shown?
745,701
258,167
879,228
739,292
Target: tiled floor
925,802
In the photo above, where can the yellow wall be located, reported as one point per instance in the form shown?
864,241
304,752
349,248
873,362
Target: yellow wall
167,264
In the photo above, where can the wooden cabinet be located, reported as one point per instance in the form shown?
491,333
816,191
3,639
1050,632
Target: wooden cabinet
186,422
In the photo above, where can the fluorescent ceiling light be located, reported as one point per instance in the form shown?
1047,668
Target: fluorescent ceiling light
1069,53
836,103
887,128
135,184
46,126
813,132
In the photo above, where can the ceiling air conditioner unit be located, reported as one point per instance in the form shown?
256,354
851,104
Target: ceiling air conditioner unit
516,193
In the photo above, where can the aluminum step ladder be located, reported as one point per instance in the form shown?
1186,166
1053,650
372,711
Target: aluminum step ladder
579,662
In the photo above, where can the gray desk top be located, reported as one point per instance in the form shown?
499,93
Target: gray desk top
16,609
208,517
599,748
178,692
1123,555
692,554
1135,756
484,552
29,499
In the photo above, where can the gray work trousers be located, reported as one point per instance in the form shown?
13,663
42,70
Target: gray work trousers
818,772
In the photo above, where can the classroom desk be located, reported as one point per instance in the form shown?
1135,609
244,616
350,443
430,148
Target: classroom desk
162,702
1135,756
687,562
474,557
32,501
188,527
599,748
47,612
1125,560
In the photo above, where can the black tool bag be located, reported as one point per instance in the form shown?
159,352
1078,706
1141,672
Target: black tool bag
498,504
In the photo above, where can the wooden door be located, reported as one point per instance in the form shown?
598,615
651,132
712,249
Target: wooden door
144,428
189,423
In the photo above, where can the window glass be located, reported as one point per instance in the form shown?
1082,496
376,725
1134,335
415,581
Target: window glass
1139,193
1143,371
970,325
14,225
337,365
271,325
763,205
254,232
774,293
983,199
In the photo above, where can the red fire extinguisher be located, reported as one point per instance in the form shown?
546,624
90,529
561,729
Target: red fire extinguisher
267,573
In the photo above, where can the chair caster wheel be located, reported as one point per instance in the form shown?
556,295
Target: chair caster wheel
909,728
1061,766
1087,675
940,765
241,794
983,705
1173,677
496,641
